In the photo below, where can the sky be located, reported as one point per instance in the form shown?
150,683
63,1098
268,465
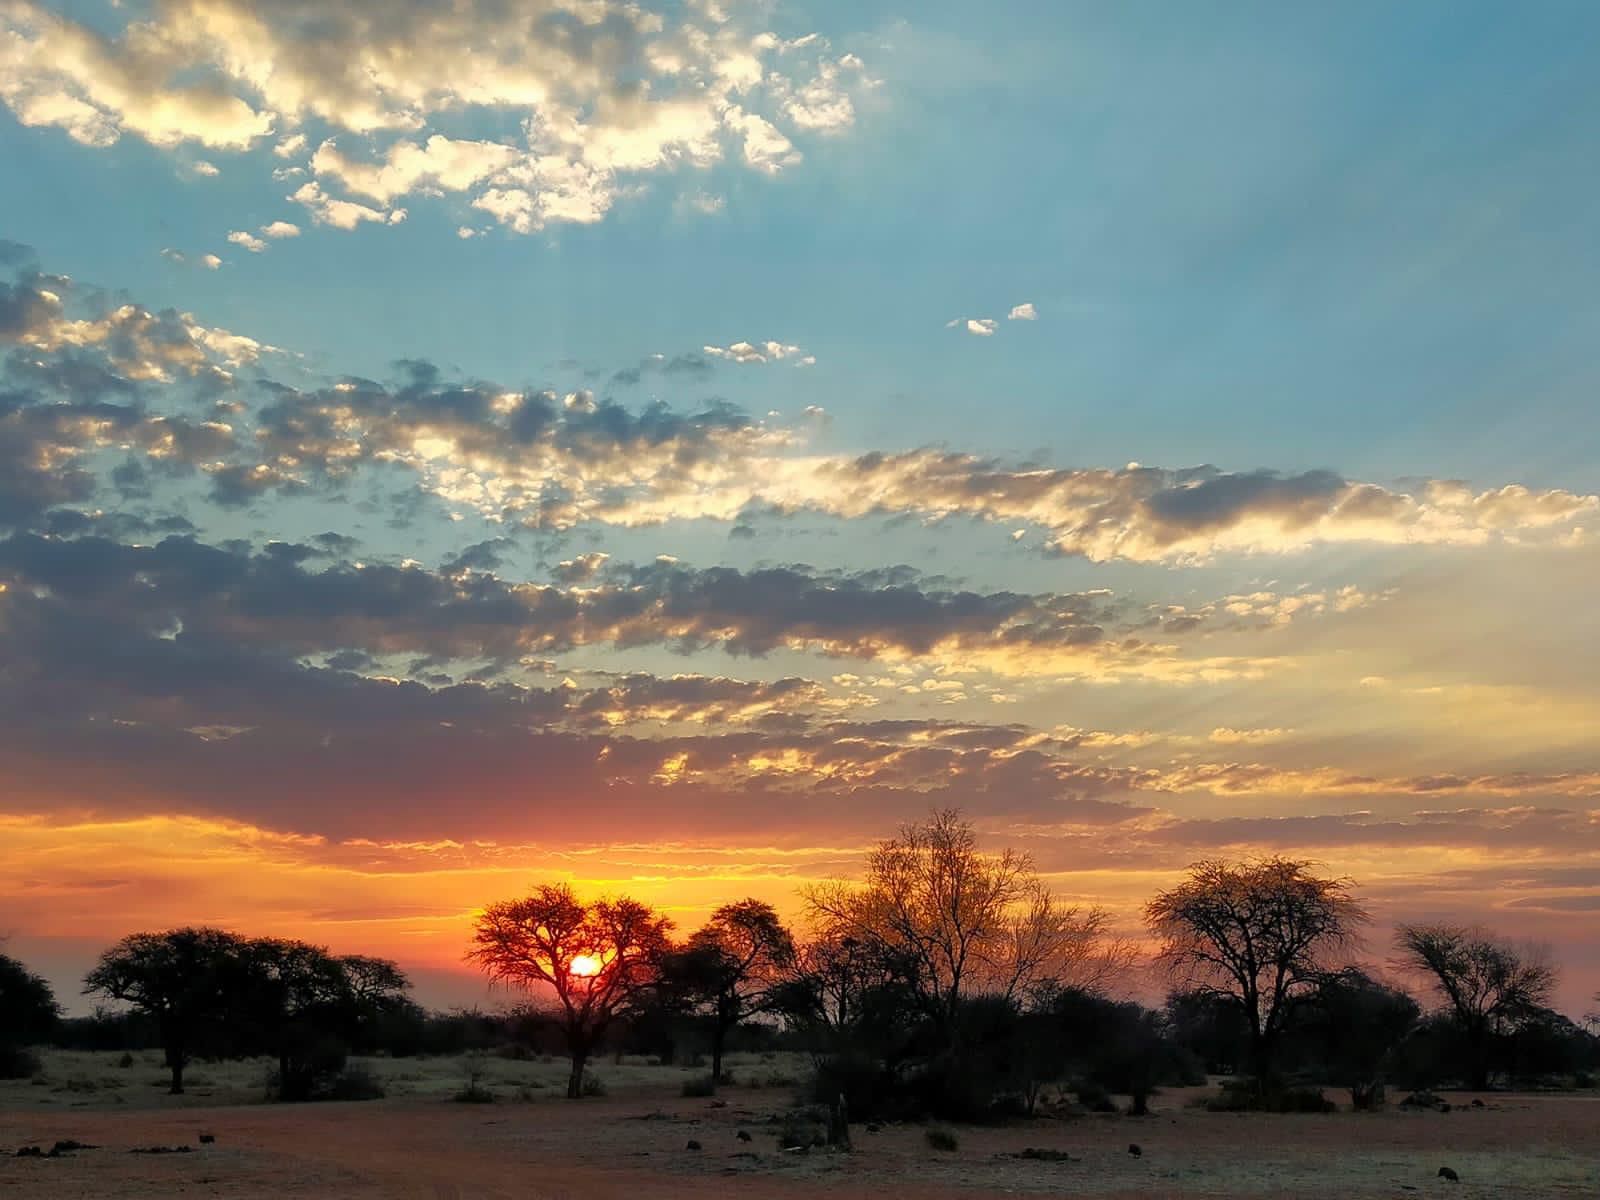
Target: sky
666,446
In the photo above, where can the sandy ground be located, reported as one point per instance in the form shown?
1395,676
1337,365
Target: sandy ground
532,1145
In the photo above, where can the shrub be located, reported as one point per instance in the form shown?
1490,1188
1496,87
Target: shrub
1042,1155
1094,1097
18,1062
1249,1095
313,1070
593,1085
474,1093
699,1086
126,1061
353,1083
941,1139
802,1129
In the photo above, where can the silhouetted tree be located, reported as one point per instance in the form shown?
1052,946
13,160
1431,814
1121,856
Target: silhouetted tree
308,1006
1210,1027
1485,983
963,921
599,959
732,967
1352,1023
189,981
1258,933
28,1014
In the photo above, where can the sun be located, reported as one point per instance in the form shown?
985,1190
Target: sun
584,966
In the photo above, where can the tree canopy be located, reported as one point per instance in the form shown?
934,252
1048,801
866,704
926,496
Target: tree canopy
599,958
1260,934
963,921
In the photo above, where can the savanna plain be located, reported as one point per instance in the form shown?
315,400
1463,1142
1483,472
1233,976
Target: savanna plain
643,1137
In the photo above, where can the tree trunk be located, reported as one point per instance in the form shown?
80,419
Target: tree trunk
575,1080
717,1036
175,1061
1481,1050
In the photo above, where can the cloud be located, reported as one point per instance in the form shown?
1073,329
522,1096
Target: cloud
54,71
280,229
555,460
977,326
585,98
210,262
249,241
211,170
761,352
705,203
1150,514
1022,312
342,214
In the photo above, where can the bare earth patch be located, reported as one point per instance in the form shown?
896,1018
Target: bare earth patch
532,1145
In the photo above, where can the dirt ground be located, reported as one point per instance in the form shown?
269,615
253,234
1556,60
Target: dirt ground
532,1145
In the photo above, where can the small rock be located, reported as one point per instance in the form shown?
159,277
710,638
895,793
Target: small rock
1476,1103
1447,1173
718,1104
30,1152
692,1145
1135,1149
873,1127
743,1136
207,1138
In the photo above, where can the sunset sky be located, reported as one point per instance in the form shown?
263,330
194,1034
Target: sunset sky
667,445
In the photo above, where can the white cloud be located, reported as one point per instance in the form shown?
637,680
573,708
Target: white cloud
210,261
249,241
342,214
211,170
977,326
1023,312
585,95
280,229
440,162
761,352
54,71
765,148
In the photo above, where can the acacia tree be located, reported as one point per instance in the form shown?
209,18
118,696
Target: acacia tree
303,1000
1259,934
1486,984
600,959
733,966
963,921
189,981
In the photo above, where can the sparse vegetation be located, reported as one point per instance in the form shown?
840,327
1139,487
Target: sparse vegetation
941,1139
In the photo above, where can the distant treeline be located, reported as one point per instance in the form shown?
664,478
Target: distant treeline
949,982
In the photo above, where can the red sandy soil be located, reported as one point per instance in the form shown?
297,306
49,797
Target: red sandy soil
634,1145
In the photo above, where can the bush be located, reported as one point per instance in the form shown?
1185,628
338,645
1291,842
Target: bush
312,1070
699,1086
474,1093
1094,1097
18,1062
593,1085
126,1061
942,1140
1249,1095
353,1083
802,1128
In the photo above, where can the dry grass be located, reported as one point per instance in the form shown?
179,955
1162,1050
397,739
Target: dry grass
534,1145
